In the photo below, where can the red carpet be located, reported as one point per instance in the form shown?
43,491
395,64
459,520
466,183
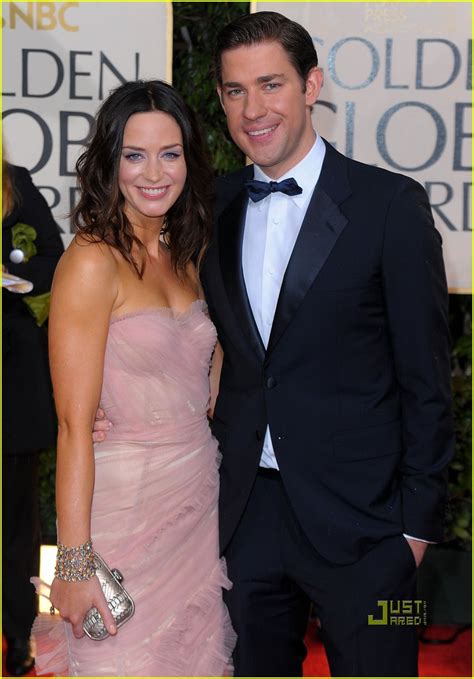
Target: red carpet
445,660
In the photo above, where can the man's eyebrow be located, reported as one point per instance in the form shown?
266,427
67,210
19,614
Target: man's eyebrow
260,79
270,76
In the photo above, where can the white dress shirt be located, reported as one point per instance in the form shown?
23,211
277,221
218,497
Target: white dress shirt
272,226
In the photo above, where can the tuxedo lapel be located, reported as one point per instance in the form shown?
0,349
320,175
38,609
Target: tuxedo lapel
321,227
230,229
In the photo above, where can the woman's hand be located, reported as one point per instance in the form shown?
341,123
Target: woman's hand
75,599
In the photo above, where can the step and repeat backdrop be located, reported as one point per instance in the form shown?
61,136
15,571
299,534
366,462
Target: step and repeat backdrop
397,90
397,94
60,60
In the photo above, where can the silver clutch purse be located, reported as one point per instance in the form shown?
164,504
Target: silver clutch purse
118,599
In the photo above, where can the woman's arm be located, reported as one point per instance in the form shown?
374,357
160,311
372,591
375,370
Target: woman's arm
84,291
218,355
214,377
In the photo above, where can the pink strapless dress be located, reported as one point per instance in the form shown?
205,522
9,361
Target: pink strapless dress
154,512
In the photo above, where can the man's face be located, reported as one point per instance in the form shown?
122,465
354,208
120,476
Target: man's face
268,113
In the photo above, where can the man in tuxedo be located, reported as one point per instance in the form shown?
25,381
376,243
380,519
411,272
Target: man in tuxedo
325,280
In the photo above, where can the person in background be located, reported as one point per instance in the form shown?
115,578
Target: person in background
32,247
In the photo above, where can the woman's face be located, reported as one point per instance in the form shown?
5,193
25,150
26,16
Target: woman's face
152,170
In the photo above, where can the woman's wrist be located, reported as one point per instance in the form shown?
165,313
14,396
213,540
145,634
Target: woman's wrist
75,564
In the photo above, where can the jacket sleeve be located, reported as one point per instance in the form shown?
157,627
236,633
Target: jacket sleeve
416,299
34,211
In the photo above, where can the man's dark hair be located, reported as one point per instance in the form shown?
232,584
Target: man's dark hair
251,29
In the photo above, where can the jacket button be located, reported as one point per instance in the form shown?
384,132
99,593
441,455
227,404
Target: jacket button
271,382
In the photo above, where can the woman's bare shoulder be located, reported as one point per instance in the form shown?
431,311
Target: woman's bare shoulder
86,278
89,255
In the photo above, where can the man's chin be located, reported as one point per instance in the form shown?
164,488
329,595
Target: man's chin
267,161
264,154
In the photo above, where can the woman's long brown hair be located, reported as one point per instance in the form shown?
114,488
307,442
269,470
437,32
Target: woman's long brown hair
100,213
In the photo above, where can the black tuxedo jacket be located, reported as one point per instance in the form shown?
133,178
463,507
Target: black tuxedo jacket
355,382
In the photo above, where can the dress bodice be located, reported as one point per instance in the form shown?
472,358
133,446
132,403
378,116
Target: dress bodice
156,371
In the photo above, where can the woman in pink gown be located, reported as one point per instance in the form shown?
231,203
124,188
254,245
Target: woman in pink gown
129,332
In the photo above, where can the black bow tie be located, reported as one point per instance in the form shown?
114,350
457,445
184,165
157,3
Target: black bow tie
259,190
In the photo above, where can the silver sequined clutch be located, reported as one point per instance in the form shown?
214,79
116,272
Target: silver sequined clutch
118,599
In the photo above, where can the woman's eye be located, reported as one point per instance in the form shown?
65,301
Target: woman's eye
133,156
171,155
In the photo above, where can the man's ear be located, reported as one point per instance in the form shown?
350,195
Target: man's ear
314,83
219,94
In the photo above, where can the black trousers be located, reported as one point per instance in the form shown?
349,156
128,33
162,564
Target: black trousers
21,543
277,573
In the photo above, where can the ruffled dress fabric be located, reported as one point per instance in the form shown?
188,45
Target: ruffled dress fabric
154,513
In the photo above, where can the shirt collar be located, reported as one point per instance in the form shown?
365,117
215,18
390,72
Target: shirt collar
306,172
